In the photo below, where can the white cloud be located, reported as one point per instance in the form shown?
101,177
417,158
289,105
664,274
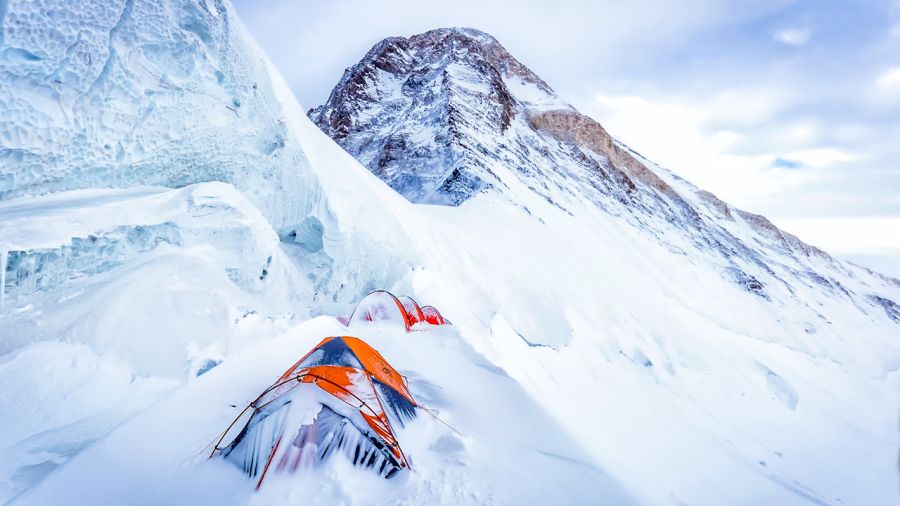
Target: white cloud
869,241
820,157
885,89
794,36
883,260
889,80
677,135
312,42
781,168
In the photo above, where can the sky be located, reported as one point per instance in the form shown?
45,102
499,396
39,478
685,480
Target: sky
786,108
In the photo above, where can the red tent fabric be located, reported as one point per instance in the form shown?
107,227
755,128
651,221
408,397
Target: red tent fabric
342,396
383,306
433,316
413,311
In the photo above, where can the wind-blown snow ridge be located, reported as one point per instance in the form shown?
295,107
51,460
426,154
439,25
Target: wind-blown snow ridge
449,114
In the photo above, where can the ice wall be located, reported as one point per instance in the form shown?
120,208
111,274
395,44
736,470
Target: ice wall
126,92
140,92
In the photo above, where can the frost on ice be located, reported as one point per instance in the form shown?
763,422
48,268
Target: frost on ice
120,93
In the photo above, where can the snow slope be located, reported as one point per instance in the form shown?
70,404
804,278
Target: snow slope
113,297
483,407
449,115
591,360
606,256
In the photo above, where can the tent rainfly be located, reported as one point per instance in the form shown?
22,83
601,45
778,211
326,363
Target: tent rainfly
383,306
433,316
341,397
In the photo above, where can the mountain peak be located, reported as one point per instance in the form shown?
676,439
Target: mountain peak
448,115
461,32
420,101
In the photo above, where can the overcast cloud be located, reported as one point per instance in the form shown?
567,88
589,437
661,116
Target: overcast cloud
785,108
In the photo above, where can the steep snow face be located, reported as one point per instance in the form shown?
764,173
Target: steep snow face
449,115
133,92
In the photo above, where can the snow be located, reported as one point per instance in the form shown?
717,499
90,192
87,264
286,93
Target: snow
52,239
80,396
104,321
485,413
687,375
533,96
598,354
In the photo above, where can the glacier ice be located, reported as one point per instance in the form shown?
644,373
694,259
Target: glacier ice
33,270
132,92
114,297
210,213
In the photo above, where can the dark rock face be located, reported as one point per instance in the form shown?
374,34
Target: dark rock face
449,114
413,111
891,308
441,115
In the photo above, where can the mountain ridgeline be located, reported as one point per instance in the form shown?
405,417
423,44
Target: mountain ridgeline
449,115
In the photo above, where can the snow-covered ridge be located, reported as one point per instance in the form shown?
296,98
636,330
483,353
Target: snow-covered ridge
447,115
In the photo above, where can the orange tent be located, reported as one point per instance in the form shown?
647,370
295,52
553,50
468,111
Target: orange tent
382,305
356,396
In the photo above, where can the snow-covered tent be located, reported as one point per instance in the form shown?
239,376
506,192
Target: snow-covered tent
432,315
382,305
342,396
413,311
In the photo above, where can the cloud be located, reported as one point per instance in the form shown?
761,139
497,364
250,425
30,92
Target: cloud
872,241
312,42
889,81
699,138
840,169
820,157
785,163
794,36
848,235
883,90
715,142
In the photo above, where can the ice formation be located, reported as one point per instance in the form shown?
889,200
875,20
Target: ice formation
135,92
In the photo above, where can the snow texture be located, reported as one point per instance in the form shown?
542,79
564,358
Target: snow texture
128,92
